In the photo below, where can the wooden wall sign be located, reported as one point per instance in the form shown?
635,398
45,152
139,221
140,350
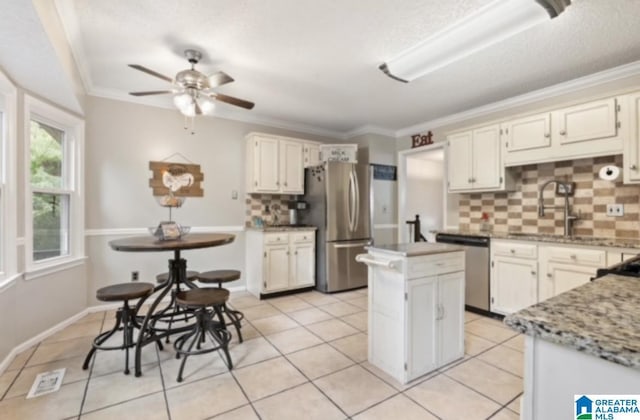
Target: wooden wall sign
177,179
418,140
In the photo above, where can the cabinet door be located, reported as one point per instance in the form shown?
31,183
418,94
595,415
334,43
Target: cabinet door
303,265
459,161
422,339
533,132
632,151
562,277
593,120
276,267
266,165
291,167
451,326
486,172
514,284
311,155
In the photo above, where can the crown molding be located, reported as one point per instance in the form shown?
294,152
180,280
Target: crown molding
595,79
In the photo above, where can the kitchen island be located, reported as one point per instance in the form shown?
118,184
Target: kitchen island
582,342
416,307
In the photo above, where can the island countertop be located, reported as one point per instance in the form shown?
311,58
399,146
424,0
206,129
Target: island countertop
414,249
601,318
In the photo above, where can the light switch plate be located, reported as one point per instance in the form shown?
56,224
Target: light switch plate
615,210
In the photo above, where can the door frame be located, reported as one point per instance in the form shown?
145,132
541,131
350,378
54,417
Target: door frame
403,234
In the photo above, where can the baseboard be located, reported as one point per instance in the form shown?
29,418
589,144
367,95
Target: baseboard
64,324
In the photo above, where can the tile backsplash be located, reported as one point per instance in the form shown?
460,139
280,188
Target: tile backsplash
517,211
269,207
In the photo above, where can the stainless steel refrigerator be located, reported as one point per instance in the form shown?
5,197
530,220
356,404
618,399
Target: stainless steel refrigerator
339,197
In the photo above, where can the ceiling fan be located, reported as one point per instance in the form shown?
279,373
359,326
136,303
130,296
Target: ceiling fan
193,91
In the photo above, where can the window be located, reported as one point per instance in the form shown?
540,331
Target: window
8,202
50,189
55,222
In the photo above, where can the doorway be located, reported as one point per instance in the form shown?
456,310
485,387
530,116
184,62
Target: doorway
422,191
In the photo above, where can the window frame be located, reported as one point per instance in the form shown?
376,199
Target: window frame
8,182
73,128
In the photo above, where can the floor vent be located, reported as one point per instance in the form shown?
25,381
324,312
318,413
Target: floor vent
46,383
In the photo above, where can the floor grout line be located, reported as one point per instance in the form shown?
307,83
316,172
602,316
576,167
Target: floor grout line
331,343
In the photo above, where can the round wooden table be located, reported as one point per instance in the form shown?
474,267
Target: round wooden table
177,276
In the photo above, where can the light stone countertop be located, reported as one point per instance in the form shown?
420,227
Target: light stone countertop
601,318
415,249
538,237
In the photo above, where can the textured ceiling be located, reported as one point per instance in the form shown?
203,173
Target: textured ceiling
315,63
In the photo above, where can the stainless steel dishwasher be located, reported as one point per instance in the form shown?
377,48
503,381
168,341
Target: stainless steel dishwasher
476,294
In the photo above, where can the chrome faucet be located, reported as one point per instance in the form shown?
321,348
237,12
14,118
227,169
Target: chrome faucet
568,217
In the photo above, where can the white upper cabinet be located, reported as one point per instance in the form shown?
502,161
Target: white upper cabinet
631,157
591,129
474,162
524,134
275,165
593,120
311,155
291,167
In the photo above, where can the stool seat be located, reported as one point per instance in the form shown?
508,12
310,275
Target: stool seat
198,298
124,291
219,276
191,276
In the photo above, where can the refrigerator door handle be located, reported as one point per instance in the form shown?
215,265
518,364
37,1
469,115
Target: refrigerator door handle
351,201
356,245
356,218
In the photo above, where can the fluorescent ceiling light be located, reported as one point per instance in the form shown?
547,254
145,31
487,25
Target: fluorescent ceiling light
493,23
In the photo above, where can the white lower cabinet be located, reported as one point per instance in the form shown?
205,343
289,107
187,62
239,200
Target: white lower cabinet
514,284
280,261
416,323
523,274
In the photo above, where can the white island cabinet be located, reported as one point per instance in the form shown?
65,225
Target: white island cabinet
416,307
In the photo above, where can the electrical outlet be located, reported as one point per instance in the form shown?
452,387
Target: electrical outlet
135,276
615,210
234,195
384,209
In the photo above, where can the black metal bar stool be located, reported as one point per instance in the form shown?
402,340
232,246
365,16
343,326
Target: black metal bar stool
169,310
225,276
125,317
206,303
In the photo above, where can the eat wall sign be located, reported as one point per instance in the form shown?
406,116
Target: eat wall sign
418,140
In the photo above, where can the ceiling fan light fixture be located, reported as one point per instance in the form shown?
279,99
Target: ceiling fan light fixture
206,105
497,21
182,100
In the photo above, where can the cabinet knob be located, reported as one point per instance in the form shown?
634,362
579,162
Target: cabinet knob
633,167
549,275
513,251
563,132
278,183
285,184
547,135
573,257
255,183
533,273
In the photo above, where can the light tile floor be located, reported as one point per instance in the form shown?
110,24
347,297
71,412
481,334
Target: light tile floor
304,356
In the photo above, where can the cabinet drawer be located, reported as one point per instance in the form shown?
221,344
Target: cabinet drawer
276,238
592,257
515,250
430,265
302,237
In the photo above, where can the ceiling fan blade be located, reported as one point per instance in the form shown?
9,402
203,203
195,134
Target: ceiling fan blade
219,78
151,72
233,101
150,92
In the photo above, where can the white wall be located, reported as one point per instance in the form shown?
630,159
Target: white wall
424,193
382,150
121,140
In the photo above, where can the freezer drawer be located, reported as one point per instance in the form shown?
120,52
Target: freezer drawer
343,272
